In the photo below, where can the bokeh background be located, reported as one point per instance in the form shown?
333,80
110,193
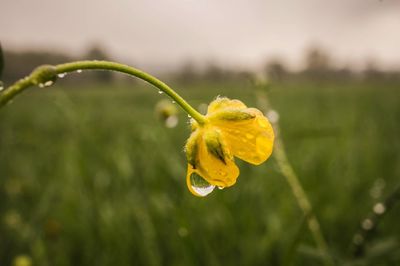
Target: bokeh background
91,173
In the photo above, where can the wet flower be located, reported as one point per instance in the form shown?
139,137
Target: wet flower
231,130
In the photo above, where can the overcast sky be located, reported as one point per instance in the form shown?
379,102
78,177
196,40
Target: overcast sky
240,33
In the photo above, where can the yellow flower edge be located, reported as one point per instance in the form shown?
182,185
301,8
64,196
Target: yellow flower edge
231,130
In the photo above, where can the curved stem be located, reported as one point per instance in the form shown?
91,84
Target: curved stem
291,177
28,81
300,195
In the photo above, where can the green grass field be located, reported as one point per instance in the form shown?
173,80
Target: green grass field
92,177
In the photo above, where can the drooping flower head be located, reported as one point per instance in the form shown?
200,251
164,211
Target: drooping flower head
231,130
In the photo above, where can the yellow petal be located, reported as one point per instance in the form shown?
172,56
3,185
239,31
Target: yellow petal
214,170
223,103
250,140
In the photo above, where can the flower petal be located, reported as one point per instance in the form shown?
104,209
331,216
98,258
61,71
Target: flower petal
221,173
223,103
251,139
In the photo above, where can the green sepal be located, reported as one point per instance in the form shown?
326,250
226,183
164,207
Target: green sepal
233,115
215,145
191,149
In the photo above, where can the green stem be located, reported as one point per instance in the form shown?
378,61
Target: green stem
29,81
294,182
300,195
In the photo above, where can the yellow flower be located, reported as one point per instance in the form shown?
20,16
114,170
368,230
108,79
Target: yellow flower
231,130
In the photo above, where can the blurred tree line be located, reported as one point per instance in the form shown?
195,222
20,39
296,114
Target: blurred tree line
318,66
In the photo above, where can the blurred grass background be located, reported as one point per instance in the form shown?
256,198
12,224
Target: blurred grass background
90,176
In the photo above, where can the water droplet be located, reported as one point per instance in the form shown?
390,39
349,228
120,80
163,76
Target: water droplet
61,75
249,136
79,71
171,121
379,208
189,116
160,92
221,187
273,116
263,144
367,224
263,123
48,83
223,173
173,102
200,185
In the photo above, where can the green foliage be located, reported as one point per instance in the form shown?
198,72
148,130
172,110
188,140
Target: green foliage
91,177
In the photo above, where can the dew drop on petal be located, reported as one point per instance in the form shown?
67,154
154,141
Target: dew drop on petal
249,136
263,123
223,173
263,144
200,185
240,152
